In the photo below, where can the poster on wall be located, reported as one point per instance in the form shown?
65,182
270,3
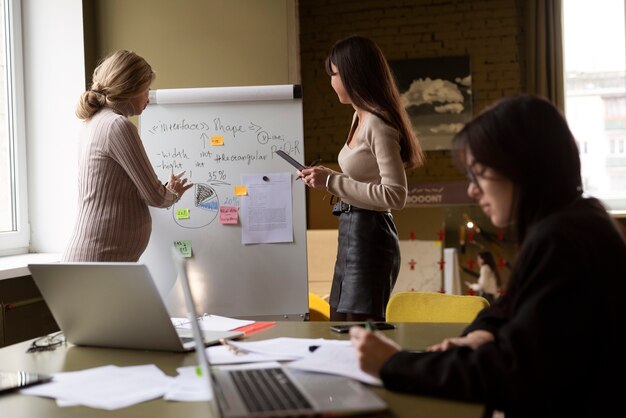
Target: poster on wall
437,95
420,268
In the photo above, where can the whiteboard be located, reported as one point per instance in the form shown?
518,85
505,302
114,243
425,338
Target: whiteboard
181,130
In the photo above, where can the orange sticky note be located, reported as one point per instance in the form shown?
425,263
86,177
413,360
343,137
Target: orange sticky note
241,190
229,215
217,140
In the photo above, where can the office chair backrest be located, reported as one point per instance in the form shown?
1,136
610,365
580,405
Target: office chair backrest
433,307
319,309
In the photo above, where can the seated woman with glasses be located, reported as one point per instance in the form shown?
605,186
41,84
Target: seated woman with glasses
549,346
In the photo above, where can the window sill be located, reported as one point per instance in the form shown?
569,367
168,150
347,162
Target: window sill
17,265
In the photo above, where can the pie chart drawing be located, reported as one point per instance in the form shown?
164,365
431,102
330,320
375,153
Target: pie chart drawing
203,205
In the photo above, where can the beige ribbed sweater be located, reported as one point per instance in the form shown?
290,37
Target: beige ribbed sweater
116,183
373,175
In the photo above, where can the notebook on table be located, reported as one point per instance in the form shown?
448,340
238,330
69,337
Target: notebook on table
275,391
114,305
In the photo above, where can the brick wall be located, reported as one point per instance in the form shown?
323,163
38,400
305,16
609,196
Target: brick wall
488,31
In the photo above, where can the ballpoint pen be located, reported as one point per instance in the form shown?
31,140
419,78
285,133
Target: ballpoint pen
370,326
313,164
232,348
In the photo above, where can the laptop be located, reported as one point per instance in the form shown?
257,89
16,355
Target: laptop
275,391
114,305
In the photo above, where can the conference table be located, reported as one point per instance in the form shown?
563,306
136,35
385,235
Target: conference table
68,357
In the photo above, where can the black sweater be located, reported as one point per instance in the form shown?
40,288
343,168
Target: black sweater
556,352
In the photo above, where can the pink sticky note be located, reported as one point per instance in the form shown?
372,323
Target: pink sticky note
229,215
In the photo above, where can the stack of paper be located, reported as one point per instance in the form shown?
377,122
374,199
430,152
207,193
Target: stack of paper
311,354
106,387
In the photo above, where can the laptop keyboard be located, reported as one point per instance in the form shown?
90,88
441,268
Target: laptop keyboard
268,390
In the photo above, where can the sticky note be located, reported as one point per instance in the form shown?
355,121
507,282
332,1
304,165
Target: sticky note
182,213
184,247
217,140
241,190
229,215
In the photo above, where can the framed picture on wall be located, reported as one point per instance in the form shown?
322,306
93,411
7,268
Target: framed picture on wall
437,95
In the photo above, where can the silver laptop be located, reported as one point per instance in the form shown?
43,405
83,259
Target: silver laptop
276,391
113,305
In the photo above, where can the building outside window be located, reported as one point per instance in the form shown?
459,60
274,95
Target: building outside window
595,88
14,232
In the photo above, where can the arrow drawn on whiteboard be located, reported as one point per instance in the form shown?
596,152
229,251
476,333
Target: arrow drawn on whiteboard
204,137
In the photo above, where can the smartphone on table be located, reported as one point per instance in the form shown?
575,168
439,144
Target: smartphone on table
380,326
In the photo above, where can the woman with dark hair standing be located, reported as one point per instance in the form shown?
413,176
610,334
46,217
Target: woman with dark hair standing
379,147
547,347
116,182
489,281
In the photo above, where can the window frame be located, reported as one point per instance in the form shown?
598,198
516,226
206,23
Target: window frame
16,241
615,145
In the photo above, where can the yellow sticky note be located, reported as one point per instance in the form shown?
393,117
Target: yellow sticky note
184,247
241,190
182,213
217,140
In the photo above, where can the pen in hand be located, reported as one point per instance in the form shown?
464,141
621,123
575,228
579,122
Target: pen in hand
370,326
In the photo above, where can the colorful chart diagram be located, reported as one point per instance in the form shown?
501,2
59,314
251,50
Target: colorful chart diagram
203,205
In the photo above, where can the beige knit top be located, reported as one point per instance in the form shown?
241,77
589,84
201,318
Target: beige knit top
116,183
373,175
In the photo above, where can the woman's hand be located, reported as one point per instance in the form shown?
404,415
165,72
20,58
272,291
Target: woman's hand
315,176
178,185
373,349
472,340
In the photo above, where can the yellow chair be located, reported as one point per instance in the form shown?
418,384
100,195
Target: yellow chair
319,309
433,307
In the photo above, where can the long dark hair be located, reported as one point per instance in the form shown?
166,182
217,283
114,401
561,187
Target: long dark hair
369,82
525,139
491,262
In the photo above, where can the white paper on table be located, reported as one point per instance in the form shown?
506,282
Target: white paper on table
212,323
265,365
335,359
286,346
266,212
220,354
107,387
188,386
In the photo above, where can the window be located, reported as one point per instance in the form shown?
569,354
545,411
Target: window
14,232
595,94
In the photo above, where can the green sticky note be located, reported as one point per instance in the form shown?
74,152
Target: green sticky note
182,213
184,247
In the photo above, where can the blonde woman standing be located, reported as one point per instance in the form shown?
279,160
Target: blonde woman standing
116,182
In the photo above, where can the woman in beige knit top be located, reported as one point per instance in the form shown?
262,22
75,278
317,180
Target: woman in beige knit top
379,147
116,182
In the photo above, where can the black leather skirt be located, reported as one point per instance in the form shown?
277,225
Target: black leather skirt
368,262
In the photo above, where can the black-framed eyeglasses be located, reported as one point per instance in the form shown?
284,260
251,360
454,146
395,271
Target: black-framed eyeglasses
471,177
47,342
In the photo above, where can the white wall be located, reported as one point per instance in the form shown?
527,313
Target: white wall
54,79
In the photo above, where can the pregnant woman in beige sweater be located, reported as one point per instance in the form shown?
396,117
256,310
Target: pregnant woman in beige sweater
116,182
